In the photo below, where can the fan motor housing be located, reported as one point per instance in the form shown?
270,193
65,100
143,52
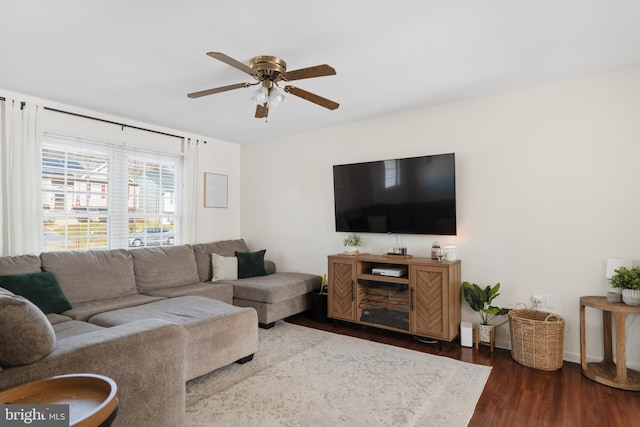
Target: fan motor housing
270,67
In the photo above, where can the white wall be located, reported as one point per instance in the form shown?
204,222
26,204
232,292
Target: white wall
219,223
547,188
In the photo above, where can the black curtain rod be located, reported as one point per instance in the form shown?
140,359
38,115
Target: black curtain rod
108,121
111,122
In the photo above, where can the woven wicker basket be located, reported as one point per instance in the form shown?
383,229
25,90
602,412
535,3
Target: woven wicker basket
537,338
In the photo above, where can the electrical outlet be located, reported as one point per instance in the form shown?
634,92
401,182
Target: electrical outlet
551,301
538,299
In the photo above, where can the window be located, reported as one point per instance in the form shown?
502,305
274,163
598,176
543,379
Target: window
391,174
106,196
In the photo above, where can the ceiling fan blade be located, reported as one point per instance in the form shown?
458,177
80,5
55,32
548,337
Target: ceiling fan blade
262,111
217,90
230,61
316,99
307,73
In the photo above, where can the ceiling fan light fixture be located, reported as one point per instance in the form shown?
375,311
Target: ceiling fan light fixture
275,97
260,96
268,71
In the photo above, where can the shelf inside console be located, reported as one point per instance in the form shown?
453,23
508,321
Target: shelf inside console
378,278
393,286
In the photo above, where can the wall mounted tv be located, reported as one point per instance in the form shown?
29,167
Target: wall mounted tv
415,195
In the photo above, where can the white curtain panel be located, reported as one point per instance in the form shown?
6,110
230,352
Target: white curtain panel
21,166
189,209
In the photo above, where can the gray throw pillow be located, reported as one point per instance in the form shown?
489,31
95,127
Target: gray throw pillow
26,335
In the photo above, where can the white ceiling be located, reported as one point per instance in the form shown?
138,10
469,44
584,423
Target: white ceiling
139,59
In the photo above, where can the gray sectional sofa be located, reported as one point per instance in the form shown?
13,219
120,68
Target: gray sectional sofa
150,318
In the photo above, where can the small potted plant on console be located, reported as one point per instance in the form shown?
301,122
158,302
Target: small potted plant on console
628,279
352,244
480,300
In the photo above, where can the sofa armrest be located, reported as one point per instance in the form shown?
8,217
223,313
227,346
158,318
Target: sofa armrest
270,266
146,359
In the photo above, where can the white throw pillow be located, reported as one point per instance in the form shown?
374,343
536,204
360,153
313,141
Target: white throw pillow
224,268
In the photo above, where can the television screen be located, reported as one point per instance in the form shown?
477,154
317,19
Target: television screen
414,195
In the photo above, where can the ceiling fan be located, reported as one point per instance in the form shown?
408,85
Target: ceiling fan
269,71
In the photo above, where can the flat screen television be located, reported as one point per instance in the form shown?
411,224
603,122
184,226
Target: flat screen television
415,195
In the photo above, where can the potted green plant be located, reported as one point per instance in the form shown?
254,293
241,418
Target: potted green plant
480,300
353,243
627,279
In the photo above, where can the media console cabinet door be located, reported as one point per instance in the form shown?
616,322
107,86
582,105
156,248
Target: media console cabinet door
342,297
430,312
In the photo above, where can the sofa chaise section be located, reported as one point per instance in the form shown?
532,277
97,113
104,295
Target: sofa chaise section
274,296
217,333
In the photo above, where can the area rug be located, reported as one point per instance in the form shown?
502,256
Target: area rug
306,377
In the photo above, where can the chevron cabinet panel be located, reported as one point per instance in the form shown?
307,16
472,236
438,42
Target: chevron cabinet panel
341,299
430,300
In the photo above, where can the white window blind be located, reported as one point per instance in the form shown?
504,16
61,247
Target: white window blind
107,196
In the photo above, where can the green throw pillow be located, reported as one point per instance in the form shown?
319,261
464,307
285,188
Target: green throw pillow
42,289
251,264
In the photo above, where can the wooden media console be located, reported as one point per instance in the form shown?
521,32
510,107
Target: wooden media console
425,302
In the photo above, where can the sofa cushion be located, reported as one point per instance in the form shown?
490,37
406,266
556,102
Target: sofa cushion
84,310
20,264
218,291
203,251
41,288
251,264
224,267
92,275
276,287
57,318
164,267
188,310
26,335
72,328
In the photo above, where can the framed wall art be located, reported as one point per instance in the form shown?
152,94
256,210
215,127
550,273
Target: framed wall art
215,190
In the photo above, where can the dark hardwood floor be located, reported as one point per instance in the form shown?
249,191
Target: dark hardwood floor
516,395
